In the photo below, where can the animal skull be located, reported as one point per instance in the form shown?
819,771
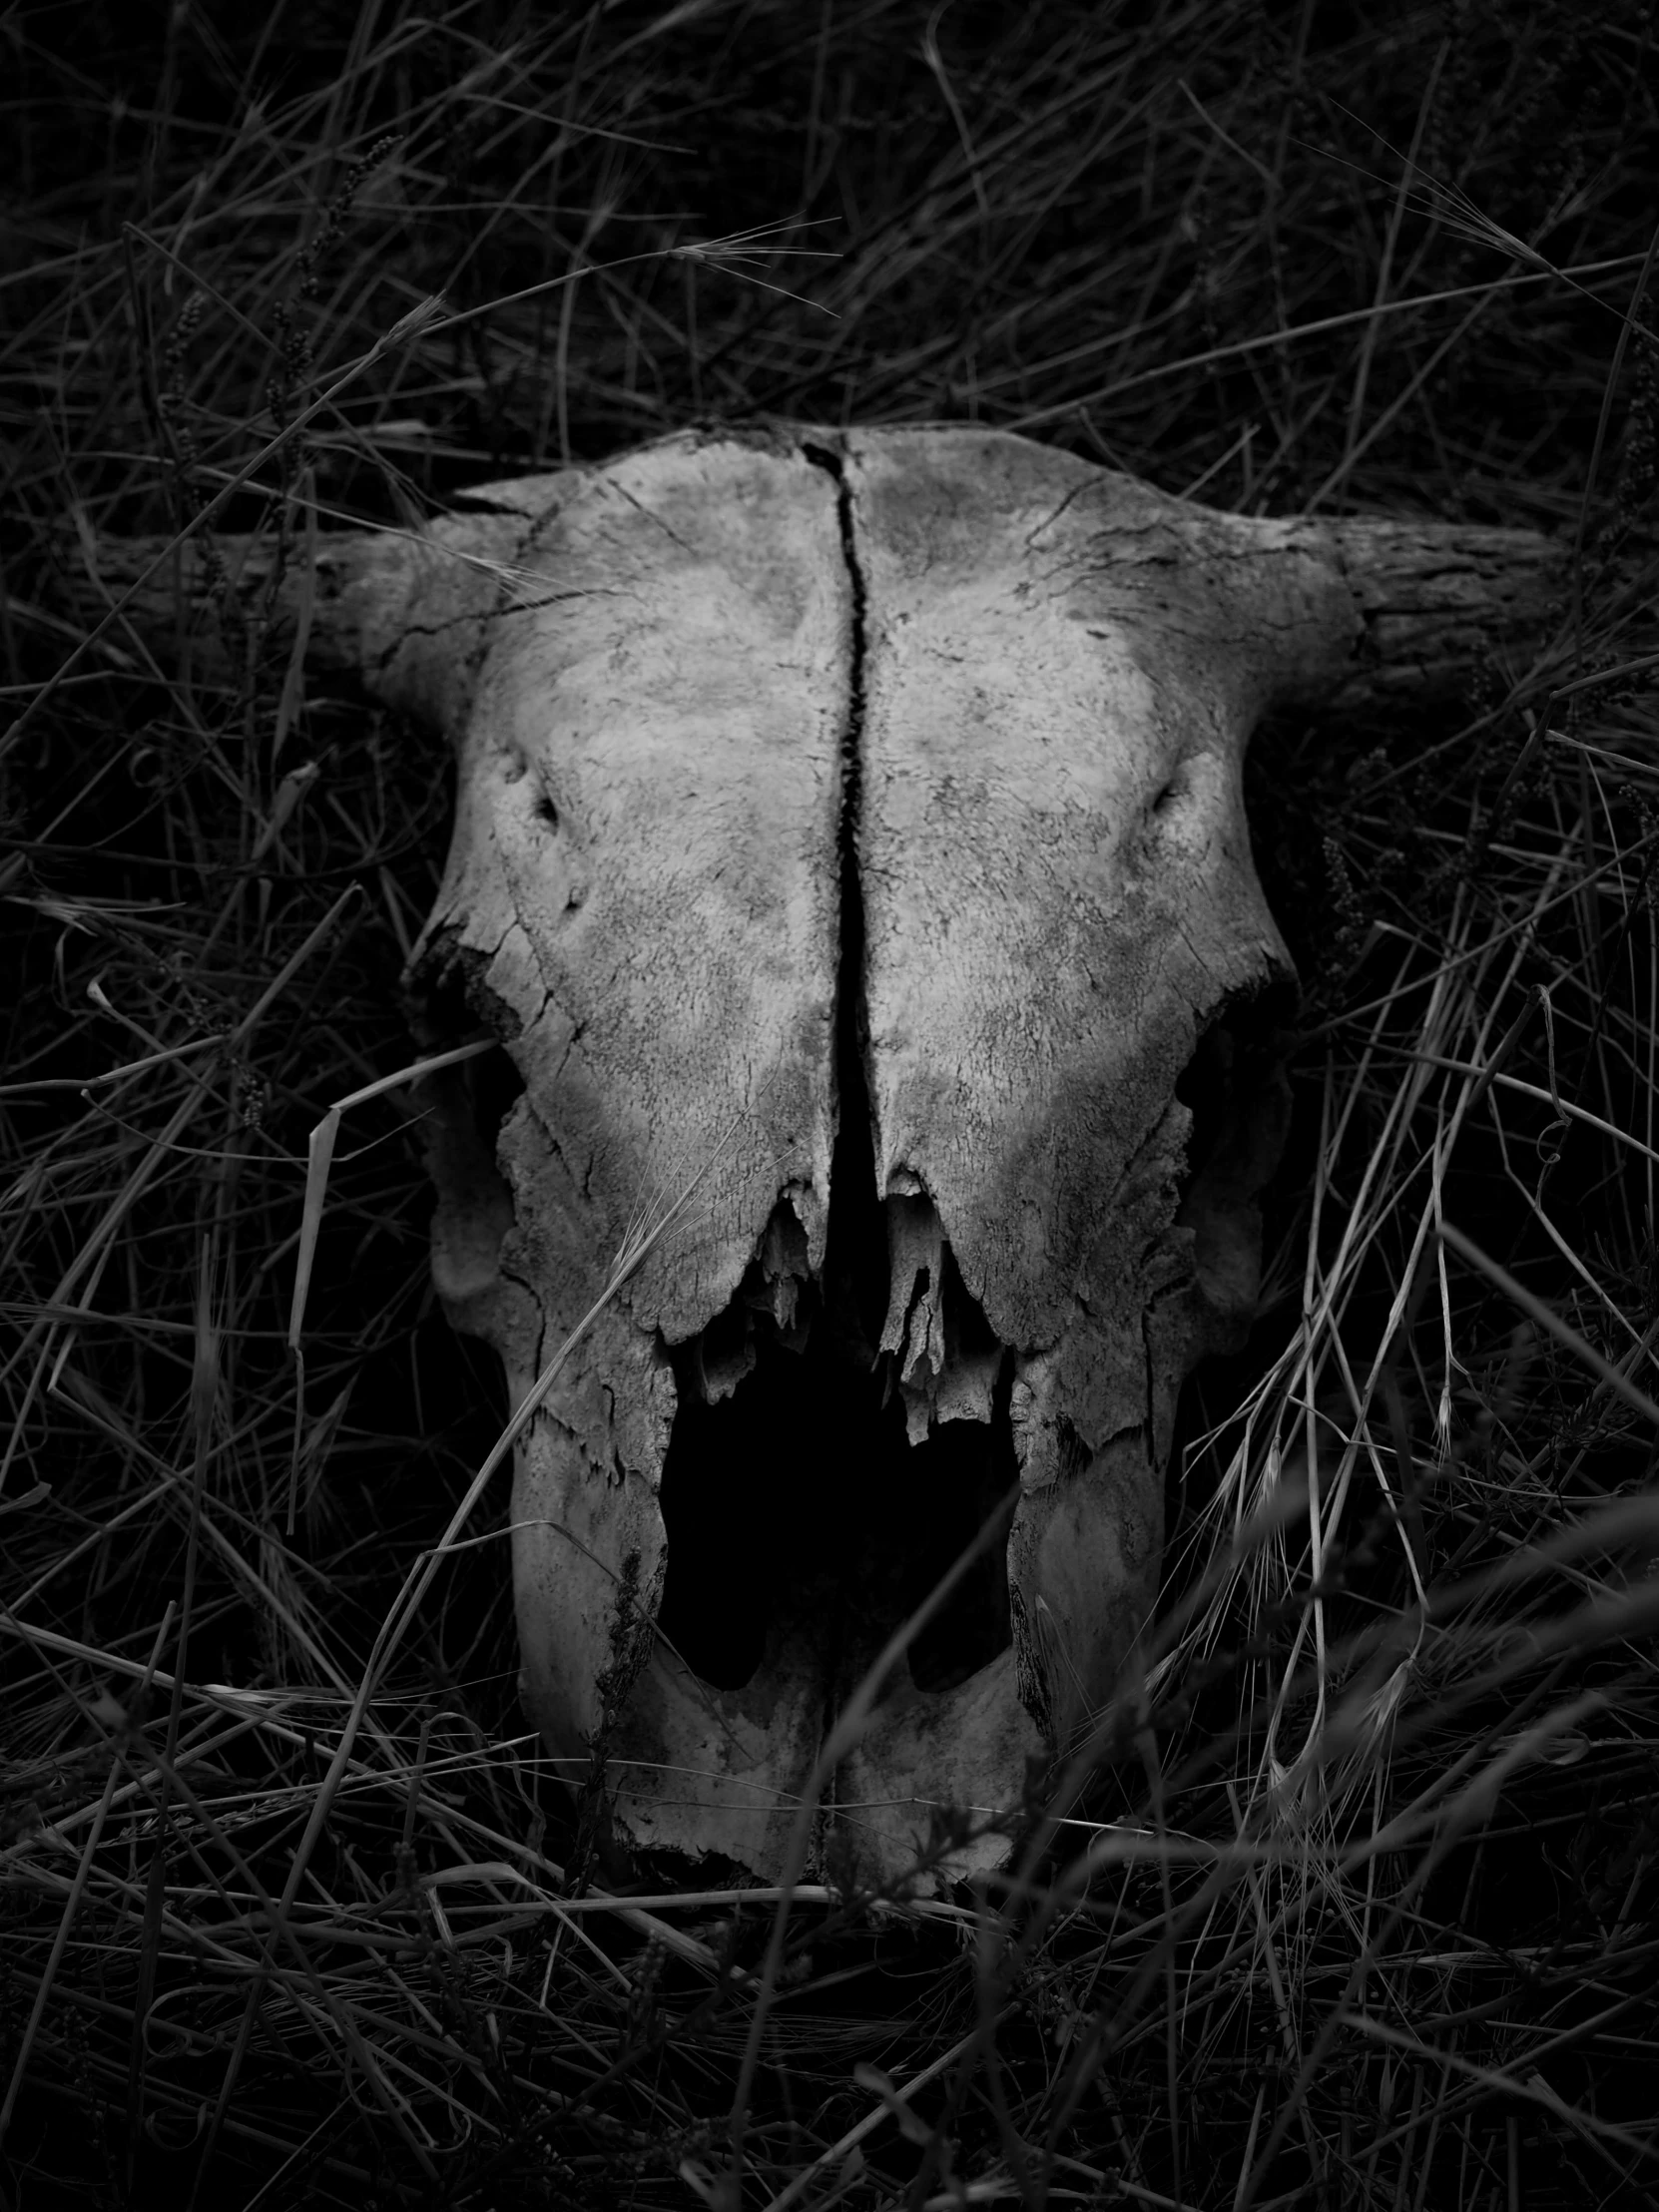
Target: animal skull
862,826
851,825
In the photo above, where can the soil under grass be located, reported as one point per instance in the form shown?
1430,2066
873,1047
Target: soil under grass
1355,1901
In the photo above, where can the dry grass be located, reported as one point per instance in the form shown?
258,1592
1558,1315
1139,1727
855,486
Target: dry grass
1356,1903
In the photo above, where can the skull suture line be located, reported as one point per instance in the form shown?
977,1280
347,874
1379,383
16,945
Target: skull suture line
855,819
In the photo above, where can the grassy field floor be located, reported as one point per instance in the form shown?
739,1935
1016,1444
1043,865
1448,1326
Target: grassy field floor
1359,1904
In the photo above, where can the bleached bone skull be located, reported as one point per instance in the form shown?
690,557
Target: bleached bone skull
858,827
852,825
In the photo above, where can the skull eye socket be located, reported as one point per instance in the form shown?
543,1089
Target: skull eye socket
1237,1091
464,1109
1235,1082
474,1097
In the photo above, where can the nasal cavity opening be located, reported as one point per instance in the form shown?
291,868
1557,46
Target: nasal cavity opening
803,1527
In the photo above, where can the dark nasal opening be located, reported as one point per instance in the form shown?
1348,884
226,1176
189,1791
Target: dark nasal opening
799,1516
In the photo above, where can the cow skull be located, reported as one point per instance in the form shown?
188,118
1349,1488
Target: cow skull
849,832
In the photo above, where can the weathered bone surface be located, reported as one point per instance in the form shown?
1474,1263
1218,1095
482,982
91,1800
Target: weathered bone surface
856,820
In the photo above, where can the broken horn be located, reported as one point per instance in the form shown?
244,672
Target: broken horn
406,609
1346,614
1427,602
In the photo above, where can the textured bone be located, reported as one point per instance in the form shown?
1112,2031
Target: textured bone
855,821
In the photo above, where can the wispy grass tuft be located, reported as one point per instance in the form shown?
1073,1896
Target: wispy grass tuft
1351,1900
